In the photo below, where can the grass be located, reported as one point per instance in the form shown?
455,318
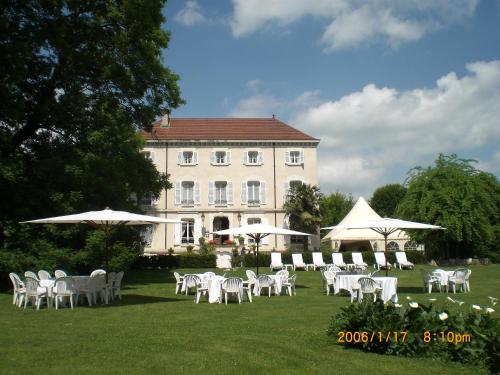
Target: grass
152,330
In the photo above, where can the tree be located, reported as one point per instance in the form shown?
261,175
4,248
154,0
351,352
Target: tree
79,79
386,198
334,208
459,197
302,208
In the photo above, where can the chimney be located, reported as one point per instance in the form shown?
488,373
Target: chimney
274,116
165,121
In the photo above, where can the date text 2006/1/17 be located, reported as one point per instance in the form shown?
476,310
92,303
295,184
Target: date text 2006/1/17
365,337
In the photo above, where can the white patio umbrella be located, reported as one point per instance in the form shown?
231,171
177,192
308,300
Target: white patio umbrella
258,232
104,220
385,226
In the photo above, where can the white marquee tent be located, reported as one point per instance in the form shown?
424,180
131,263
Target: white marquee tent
354,238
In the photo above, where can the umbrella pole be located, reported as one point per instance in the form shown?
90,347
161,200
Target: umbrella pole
258,240
385,254
106,248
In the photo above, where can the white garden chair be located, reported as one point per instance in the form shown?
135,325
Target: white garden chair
402,262
252,278
265,281
44,275
178,282
290,285
283,276
190,282
60,273
117,285
95,287
35,292
380,261
19,289
98,272
298,262
367,286
31,274
458,278
430,280
318,260
232,285
276,262
357,259
202,286
329,281
64,287
338,260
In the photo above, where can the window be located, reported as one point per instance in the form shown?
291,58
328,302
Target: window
187,231
289,186
220,192
147,200
147,235
253,157
410,245
149,155
296,239
294,157
187,194
253,192
393,246
250,221
220,158
187,158
295,184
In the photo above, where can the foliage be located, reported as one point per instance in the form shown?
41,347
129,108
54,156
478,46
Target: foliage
459,197
417,319
386,198
302,208
175,261
78,80
334,208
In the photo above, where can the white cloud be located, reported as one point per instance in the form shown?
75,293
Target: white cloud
352,22
369,134
259,105
191,14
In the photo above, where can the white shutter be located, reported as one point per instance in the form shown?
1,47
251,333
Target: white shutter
177,234
262,192
179,158
265,240
260,160
286,189
302,157
245,157
195,157
177,193
228,157
212,157
197,230
211,189
229,192
243,192
196,193
152,156
287,157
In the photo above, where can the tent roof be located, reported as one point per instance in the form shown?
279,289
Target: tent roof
361,212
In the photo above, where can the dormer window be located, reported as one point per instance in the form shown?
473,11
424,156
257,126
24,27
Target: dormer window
187,158
220,158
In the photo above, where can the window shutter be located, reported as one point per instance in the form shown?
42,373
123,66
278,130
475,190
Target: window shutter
265,240
228,157
243,192
230,192
245,157
287,157
177,234
212,157
197,193
261,158
197,230
301,157
286,190
195,157
262,192
177,193
179,158
211,189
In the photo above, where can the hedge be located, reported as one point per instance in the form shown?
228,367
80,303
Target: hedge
176,261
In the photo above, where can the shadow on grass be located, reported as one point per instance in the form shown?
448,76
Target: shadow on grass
411,289
133,299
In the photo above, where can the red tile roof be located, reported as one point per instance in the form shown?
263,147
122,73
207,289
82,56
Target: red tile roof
259,129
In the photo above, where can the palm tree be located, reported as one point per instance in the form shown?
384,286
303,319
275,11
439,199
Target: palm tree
302,209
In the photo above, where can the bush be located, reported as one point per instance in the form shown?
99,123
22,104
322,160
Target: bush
420,323
176,261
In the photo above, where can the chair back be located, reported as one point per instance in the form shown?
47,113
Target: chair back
283,274
297,260
16,281
177,276
64,284
426,276
357,258
367,285
380,257
111,277
208,275
232,284
191,281
31,274
97,272
97,281
44,275
329,276
251,275
318,258
460,275
401,257
338,259
31,285
276,259
334,268
118,279
60,273
264,281
292,279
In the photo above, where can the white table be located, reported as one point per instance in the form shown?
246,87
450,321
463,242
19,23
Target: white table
278,284
389,288
350,283
214,287
443,276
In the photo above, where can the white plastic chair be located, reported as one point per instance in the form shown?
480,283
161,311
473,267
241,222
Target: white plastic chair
298,262
31,274
367,286
283,276
97,272
318,260
290,285
276,261
95,286
19,289
265,282
190,282
36,292
60,273
459,278
64,287
44,275
429,281
109,285
329,281
178,282
357,259
117,284
380,261
338,260
402,261
232,285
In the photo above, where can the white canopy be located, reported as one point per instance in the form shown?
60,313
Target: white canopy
386,225
261,229
105,217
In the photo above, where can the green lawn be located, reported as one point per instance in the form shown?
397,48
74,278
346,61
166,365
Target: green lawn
152,330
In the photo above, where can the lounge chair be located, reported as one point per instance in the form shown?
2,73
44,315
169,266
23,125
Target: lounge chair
298,262
318,260
380,261
338,260
357,260
276,262
402,262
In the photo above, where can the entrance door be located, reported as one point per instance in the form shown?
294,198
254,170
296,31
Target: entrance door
221,223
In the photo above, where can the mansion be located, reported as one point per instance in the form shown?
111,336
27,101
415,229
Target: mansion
226,172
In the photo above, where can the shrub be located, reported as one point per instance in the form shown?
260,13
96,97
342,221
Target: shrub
420,322
176,261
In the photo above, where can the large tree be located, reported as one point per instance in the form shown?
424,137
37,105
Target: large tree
78,80
386,198
459,197
302,208
334,208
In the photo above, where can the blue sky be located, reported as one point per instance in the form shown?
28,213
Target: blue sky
386,85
